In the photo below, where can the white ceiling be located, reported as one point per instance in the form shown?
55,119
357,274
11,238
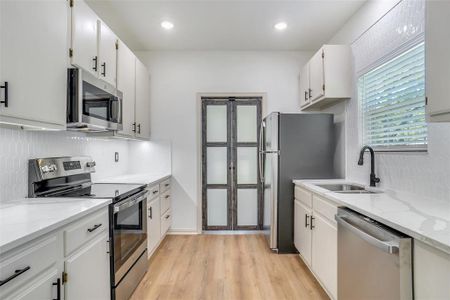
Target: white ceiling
225,25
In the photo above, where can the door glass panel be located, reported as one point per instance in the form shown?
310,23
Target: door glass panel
246,123
217,207
247,207
216,165
247,165
216,124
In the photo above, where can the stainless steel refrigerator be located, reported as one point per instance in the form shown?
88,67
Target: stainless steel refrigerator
292,146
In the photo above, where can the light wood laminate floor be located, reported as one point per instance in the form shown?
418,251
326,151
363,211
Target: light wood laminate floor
225,267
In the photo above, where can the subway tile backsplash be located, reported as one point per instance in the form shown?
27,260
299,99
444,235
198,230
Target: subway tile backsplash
17,146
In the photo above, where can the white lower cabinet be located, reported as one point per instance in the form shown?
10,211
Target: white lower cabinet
431,273
315,237
88,275
302,232
39,269
153,225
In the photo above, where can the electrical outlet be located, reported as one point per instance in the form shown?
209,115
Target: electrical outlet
116,156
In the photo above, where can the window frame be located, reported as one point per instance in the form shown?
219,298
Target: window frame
390,56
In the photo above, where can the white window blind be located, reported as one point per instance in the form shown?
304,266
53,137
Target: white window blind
392,98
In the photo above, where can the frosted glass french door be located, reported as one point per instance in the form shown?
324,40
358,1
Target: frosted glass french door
230,179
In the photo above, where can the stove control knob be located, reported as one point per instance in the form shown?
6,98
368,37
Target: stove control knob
90,164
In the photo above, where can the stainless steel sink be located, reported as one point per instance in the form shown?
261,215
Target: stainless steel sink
347,189
341,187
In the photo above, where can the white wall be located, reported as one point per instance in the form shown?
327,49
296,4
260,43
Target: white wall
421,173
177,78
18,146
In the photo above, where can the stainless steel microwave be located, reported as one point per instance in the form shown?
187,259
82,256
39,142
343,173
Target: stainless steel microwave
92,104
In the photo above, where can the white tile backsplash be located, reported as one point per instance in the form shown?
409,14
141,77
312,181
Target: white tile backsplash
17,146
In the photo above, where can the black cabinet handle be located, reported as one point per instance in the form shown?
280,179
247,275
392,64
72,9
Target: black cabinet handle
104,69
139,128
167,196
306,220
5,86
16,274
150,210
133,127
306,95
311,225
166,185
95,59
155,192
58,289
310,93
168,216
94,228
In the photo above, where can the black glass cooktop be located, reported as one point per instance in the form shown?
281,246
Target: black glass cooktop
105,190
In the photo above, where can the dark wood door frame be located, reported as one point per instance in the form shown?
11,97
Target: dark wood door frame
232,186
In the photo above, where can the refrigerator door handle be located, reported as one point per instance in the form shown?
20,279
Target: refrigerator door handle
261,153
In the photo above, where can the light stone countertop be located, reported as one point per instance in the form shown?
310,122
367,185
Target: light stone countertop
25,219
138,178
422,218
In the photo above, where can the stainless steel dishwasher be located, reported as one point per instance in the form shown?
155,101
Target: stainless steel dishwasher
374,261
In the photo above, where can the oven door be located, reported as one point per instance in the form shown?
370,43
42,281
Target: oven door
129,232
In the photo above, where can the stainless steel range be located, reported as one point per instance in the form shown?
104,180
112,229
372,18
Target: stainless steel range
71,177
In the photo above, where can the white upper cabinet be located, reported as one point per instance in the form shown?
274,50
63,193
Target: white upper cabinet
126,83
327,77
84,46
33,60
93,43
437,49
304,86
108,45
142,101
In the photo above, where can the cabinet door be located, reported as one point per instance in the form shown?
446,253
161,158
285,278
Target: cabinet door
316,78
304,86
437,49
142,101
86,281
44,287
33,60
107,54
84,37
126,72
302,231
324,247
153,225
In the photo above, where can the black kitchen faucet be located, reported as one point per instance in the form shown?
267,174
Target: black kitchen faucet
373,179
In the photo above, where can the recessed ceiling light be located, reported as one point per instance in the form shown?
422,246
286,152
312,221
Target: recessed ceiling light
167,25
280,26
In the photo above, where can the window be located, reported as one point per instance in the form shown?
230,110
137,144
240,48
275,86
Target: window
392,99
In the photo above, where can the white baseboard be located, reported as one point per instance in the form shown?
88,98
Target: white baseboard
182,231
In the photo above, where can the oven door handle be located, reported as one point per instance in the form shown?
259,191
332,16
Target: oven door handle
131,201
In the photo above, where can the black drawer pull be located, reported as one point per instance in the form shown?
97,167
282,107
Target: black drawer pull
311,225
306,96
94,228
167,184
95,59
58,289
139,128
16,274
5,86
104,69
150,211
155,192
306,220
167,196
168,216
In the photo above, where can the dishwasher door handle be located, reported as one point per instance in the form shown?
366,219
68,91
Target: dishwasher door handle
391,247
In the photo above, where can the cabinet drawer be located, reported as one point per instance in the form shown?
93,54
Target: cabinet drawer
153,191
166,222
165,202
325,208
84,230
164,186
28,262
303,196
